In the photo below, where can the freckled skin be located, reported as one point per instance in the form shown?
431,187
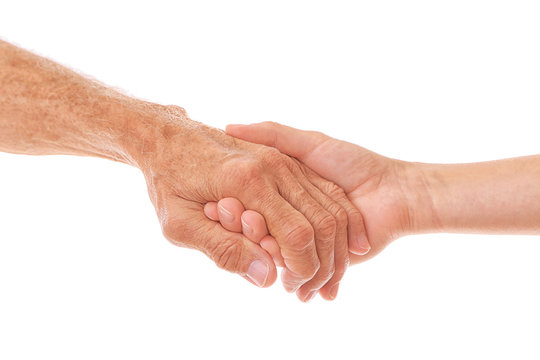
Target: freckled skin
46,108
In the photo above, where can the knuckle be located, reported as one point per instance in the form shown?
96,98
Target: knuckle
334,191
243,172
326,225
274,159
245,168
226,254
341,215
300,236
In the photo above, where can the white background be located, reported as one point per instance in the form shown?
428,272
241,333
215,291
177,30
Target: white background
86,274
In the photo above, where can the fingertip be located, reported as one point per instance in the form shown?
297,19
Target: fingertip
230,210
233,205
358,240
329,292
253,225
211,211
259,268
359,244
306,297
261,273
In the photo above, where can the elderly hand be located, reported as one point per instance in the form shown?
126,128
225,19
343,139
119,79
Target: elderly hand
48,109
187,164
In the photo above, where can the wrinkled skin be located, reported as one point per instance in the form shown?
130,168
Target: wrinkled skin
190,164
49,109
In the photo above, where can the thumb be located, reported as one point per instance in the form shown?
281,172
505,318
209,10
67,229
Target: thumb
235,253
230,251
288,140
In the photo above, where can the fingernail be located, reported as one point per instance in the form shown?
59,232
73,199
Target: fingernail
258,272
334,291
362,244
310,295
226,215
246,228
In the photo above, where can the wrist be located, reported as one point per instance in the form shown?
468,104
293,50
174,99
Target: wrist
145,128
418,186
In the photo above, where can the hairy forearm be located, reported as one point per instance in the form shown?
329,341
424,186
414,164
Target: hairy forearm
46,108
494,197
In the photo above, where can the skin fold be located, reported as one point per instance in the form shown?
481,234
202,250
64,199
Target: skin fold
397,198
46,109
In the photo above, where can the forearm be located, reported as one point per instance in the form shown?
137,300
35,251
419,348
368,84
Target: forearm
490,197
46,108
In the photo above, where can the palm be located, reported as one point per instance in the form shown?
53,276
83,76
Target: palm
371,183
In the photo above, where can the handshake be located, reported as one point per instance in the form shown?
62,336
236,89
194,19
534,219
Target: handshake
345,205
314,204
274,196
266,195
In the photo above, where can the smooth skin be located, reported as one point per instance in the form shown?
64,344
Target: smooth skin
398,198
46,108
